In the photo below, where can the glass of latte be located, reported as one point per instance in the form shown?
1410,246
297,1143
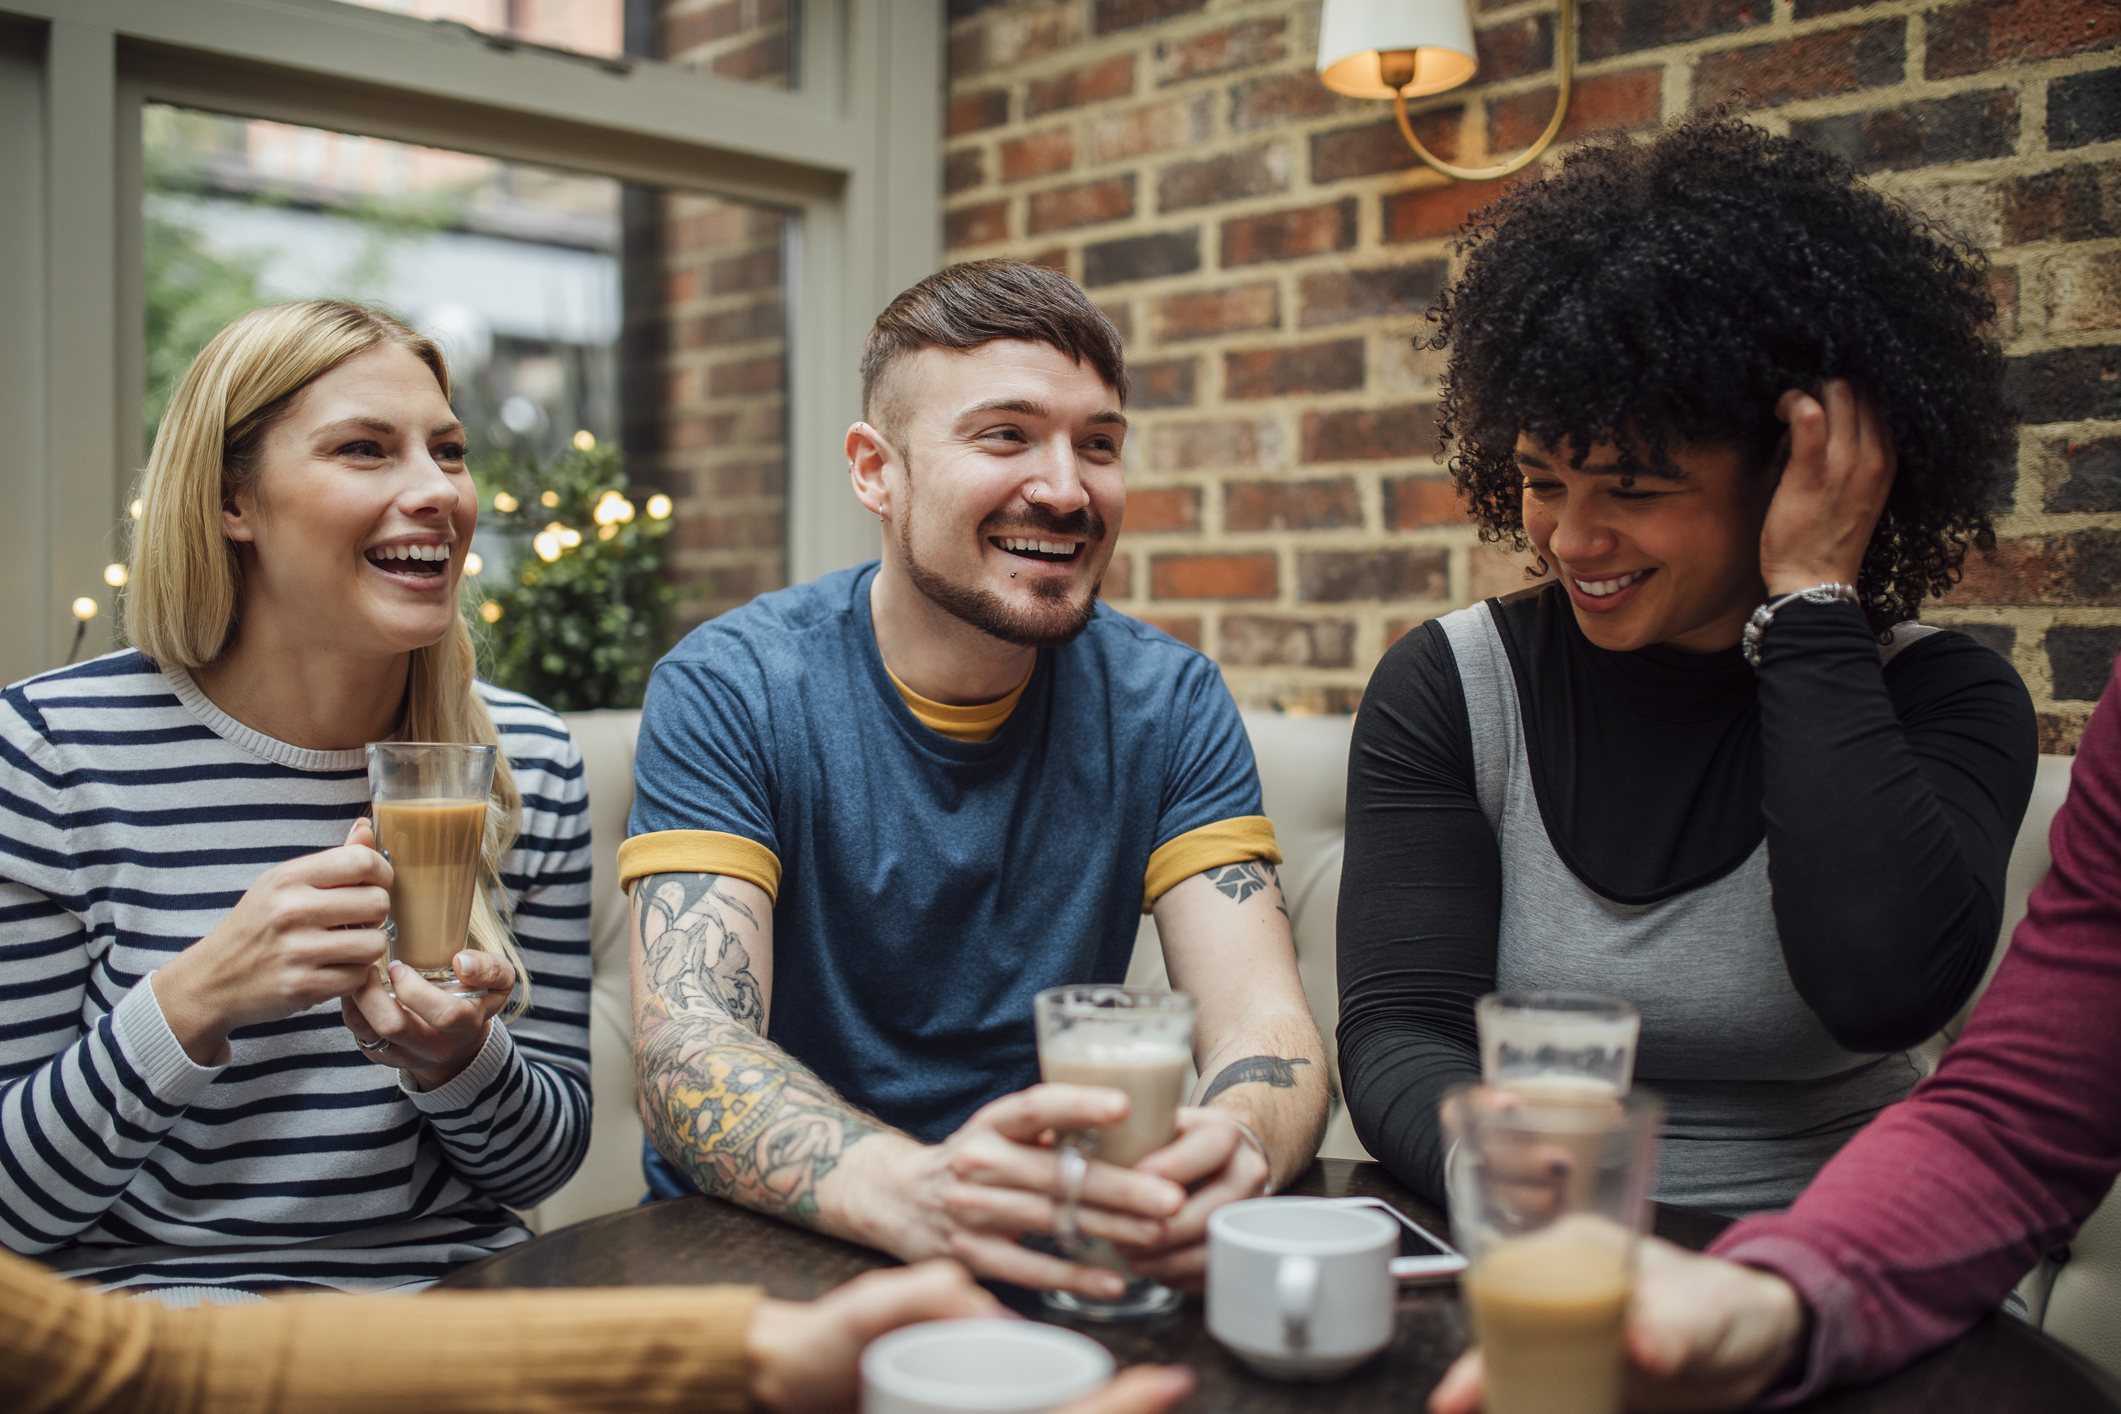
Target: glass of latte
1558,1043
430,802
1548,1197
1138,1040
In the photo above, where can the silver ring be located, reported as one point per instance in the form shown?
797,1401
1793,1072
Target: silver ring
375,1047
1074,1168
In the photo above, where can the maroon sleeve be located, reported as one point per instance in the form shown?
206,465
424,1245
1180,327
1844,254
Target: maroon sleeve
1930,1215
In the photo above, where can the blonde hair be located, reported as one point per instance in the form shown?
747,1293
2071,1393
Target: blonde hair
186,580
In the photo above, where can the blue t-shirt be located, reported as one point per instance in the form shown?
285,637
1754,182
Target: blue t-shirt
930,887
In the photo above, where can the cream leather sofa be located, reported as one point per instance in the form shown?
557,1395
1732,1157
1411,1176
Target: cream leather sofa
1303,777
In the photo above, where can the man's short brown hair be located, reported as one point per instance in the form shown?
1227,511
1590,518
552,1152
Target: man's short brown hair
980,301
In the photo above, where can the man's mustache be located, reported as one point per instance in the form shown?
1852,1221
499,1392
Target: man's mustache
1085,524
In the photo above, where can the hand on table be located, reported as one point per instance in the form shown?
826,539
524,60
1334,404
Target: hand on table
309,930
1832,491
806,1355
1216,1164
996,1179
1702,1334
432,1034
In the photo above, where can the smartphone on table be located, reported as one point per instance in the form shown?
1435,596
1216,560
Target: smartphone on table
1423,1256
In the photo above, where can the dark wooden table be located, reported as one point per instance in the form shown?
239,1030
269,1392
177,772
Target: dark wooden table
2002,1366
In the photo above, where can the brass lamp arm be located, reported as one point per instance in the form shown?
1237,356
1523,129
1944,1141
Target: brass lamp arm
1565,66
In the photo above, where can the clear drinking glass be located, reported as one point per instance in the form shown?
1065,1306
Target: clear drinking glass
1138,1040
1558,1041
1547,1201
429,801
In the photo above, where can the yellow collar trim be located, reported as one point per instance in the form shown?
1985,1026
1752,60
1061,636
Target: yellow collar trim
978,722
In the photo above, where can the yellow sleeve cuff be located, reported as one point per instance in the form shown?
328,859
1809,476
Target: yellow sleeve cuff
1209,847
704,852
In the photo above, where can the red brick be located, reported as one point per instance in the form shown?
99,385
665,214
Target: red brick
1286,235
1369,434
1291,505
1221,51
1130,14
1380,147
1183,627
1334,367
1415,501
1084,204
745,325
1118,582
2065,385
2066,571
1113,78
1629,101
1253,576
1396,629
738,532
2003,288
762,59
1964,127
2083,109
1158,127
2086,477
756,478
752,375
976,225
2083,291
1225,442
1610,27
1204,313
1337,296
1260,641
1170,508
2059,734
1121,316
1493,570
963,170
1227,176
1165,384
1344,576
690,31
1511,51
2076,203
1811,66
1013,38
692,434
681,287
971,112
1286,98
757,271
1053,258
1967,39
1038,155
1429,212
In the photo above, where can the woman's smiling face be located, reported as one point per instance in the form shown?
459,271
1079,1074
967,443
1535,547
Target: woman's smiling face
1669,557
355,529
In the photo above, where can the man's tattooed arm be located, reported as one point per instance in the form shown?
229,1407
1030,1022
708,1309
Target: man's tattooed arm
1238,882
744,1119
1278,1071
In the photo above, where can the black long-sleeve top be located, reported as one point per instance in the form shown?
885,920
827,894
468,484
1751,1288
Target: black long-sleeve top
1889,797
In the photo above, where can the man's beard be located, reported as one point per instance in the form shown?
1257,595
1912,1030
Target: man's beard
1051,622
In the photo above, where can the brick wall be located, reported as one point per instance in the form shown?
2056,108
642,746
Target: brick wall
708,413
1266,248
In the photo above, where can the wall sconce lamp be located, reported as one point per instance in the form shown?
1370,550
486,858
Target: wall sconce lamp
1401,49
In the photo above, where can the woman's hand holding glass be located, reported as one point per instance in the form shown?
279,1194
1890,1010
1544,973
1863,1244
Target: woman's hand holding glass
308,930
432,1035
1832,491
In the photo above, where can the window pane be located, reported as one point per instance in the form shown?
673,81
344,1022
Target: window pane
586,26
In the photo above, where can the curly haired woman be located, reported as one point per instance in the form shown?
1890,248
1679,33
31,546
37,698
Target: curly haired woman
1700,376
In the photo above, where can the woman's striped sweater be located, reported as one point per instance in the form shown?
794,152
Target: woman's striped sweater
133,815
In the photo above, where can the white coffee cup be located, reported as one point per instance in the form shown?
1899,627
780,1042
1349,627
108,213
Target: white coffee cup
1301,1289
980,1367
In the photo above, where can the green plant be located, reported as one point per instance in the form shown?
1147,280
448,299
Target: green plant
577,621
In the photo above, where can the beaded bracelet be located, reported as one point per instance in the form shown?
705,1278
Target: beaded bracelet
1756,626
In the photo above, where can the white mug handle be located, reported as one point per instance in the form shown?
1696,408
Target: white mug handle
1296,1292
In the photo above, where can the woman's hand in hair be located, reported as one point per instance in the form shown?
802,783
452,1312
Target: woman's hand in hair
432,1034
309,930
1833,488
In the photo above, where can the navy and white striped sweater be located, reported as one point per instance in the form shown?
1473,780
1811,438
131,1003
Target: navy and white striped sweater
133,815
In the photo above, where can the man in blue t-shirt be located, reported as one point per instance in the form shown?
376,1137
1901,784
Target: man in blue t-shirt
884,809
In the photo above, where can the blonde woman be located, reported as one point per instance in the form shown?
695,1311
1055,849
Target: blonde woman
204,1082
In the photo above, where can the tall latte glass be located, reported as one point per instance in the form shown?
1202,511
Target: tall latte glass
430,801
1558,1044
1547,1200
1138,1040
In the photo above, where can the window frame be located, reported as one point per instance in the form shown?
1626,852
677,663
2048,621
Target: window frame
853,154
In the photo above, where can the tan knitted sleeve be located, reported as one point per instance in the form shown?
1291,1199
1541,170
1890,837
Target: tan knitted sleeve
67,1348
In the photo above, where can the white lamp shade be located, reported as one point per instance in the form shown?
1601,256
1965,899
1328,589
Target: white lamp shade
1351,34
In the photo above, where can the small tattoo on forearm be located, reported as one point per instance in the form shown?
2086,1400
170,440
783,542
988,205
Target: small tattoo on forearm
1278,1071
1238,882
